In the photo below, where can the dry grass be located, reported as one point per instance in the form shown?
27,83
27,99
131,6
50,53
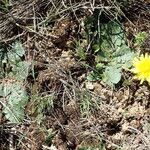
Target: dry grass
24,14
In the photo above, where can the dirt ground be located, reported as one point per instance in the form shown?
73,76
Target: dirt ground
84,115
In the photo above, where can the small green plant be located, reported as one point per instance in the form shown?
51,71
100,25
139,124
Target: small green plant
49,137
13,95
88,104
140,38
14,56
39,105
80,50
111,52
4,5
14,99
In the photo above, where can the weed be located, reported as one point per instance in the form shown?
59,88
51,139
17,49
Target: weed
85,104
49,137
80,50
4,5
39,105
110,50
88,103
140,38
13,96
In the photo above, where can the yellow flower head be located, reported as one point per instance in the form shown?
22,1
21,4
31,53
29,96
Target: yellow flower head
141,68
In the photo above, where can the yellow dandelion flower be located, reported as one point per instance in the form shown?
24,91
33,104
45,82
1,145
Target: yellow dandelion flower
141,68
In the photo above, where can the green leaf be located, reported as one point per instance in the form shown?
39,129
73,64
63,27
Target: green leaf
124,61
112,36
15,54
99,66
16,100
13,91
18,49
112,75
124,49
96,48
102,56
20,70
93,76
13,58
